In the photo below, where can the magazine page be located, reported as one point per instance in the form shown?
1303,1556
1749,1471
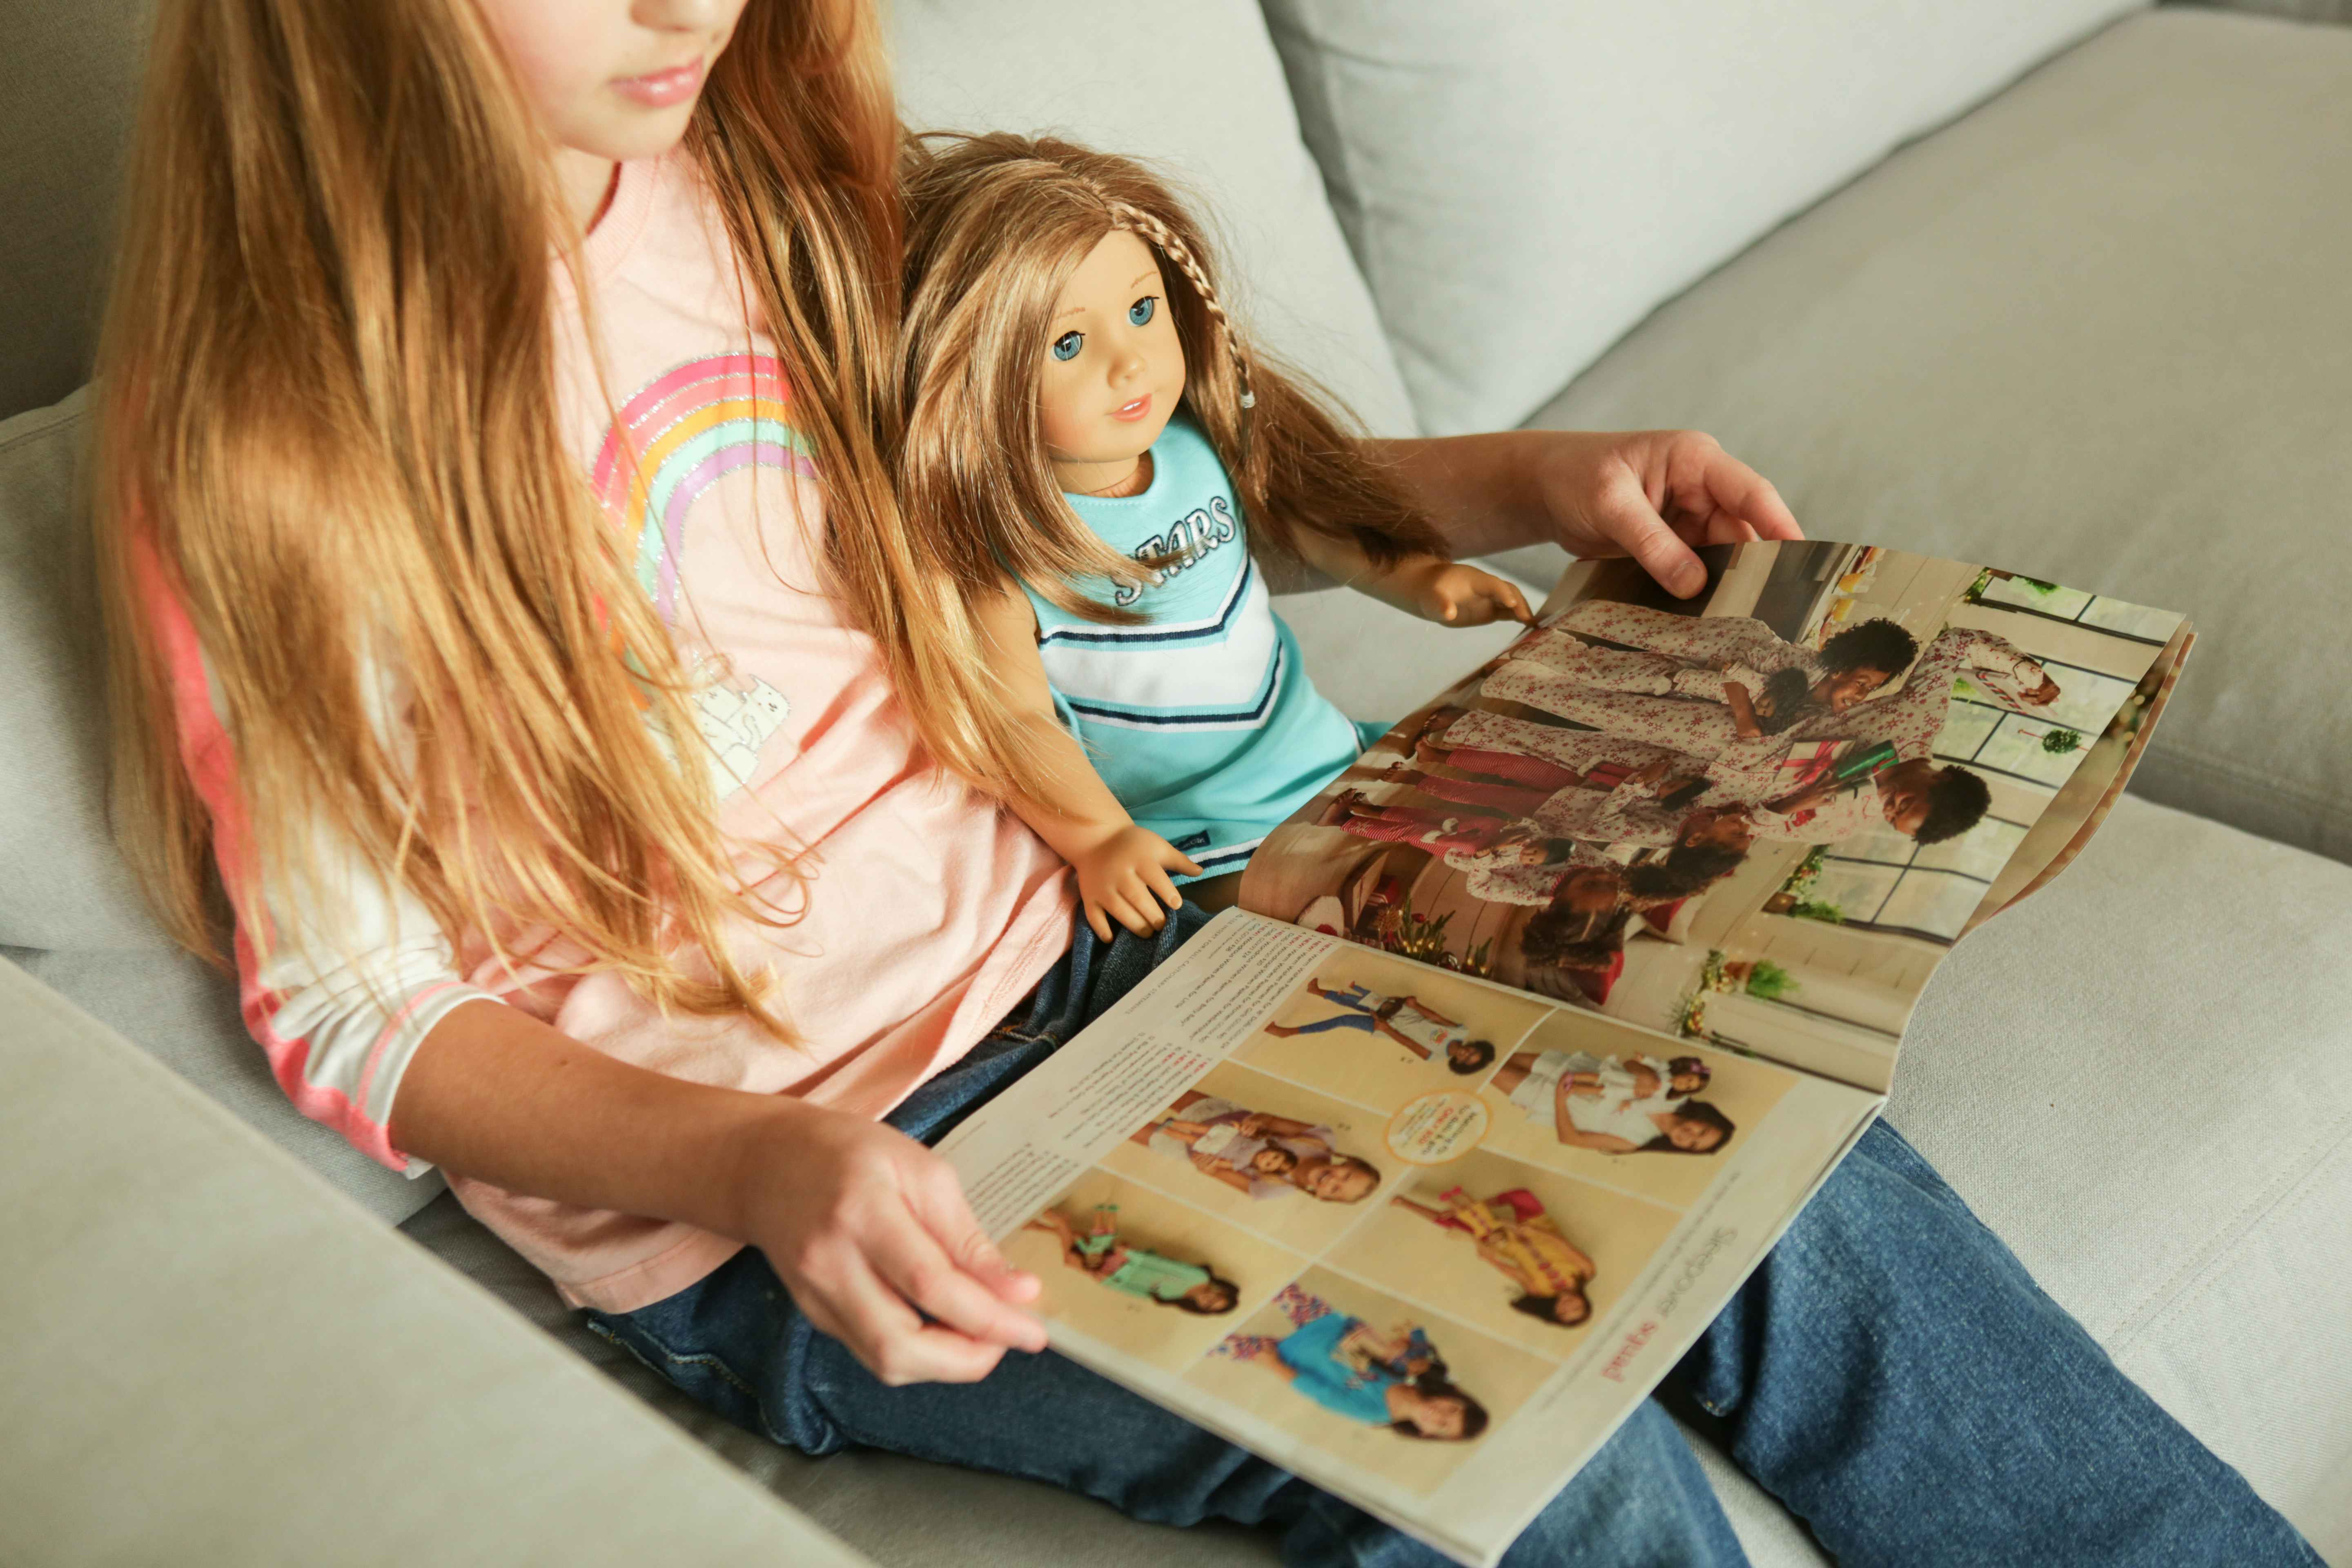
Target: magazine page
1757,818
1421,1239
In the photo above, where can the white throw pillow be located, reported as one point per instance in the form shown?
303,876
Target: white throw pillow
1194,87
1523,182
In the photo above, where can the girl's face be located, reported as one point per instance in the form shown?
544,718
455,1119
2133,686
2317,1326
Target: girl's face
1689,1082
1273,1161
1702,1136
1440,1417
1113,368
611,79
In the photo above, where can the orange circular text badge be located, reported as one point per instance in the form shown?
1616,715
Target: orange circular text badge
1431,1129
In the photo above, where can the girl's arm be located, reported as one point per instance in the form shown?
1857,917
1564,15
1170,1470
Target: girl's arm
1446,592
1434,1216
866,1228
1743,711
1122,869
1575,1136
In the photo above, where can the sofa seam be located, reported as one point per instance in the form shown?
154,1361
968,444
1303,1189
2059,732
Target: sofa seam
40,428
2282,1192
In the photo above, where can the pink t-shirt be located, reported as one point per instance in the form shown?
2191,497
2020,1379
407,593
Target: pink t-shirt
927,912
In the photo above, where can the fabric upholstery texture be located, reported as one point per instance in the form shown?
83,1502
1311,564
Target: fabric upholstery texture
2096,332
1196,88
64,123
217,1360
1522,182
69,912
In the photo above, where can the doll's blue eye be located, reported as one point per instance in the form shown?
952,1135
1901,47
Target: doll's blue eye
1068,345
1141,311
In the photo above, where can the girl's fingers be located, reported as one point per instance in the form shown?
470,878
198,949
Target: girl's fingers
1164,885
1749,497
874,1320
1628,520
908,1260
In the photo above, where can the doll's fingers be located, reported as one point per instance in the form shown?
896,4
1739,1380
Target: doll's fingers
1163,887
1180,861
1147,908
1094,908
1128,916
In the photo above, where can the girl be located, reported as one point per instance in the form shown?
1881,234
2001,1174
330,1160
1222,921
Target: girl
1696,683
1256,1152
1103,1257
475,368
1407,1021
1354,1369
1572,1091
1516,1237
1112,470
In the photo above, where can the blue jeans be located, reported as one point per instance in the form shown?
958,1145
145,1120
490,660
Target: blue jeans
1890,1372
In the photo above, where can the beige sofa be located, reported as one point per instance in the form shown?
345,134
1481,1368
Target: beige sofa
2089,325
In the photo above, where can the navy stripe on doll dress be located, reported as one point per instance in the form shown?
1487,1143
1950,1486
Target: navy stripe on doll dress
1201,720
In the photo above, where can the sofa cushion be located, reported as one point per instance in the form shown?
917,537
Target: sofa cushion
209,1359
1194,86
1521,183
73,75
2097,332
2140,1077
69,912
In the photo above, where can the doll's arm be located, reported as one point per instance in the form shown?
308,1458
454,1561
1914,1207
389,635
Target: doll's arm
1122,869
1446,592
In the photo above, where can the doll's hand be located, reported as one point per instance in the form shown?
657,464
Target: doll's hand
1454,594
1125,878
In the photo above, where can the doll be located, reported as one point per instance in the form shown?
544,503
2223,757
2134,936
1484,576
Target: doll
1111,473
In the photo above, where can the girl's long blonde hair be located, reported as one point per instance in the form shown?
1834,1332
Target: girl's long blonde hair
328,417
995,226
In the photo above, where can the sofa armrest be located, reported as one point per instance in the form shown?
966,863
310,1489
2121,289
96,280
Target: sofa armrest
2294,10
214,1358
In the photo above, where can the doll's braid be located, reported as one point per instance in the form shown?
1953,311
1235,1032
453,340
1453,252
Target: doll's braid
1177,251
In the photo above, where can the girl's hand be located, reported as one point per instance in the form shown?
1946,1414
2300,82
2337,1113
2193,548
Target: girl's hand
870,1232
1124,878
1454,594
1654,495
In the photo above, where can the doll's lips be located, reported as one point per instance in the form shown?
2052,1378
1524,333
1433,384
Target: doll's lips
662,89
1133,411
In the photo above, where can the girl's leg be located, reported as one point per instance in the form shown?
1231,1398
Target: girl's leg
1528,772
1895,1376
1512,1073
1301,1307
1509,800
1363,1020
735,1342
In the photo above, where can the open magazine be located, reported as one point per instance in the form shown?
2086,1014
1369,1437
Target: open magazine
1535,1029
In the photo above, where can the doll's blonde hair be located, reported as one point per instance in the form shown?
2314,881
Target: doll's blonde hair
328,419
995,226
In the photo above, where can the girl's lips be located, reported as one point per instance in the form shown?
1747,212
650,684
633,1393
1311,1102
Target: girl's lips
1133,411
663,89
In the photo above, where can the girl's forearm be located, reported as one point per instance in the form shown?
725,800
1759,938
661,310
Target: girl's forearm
494,1094
1483,491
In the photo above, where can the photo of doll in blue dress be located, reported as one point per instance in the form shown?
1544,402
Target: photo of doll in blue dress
1390,1377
